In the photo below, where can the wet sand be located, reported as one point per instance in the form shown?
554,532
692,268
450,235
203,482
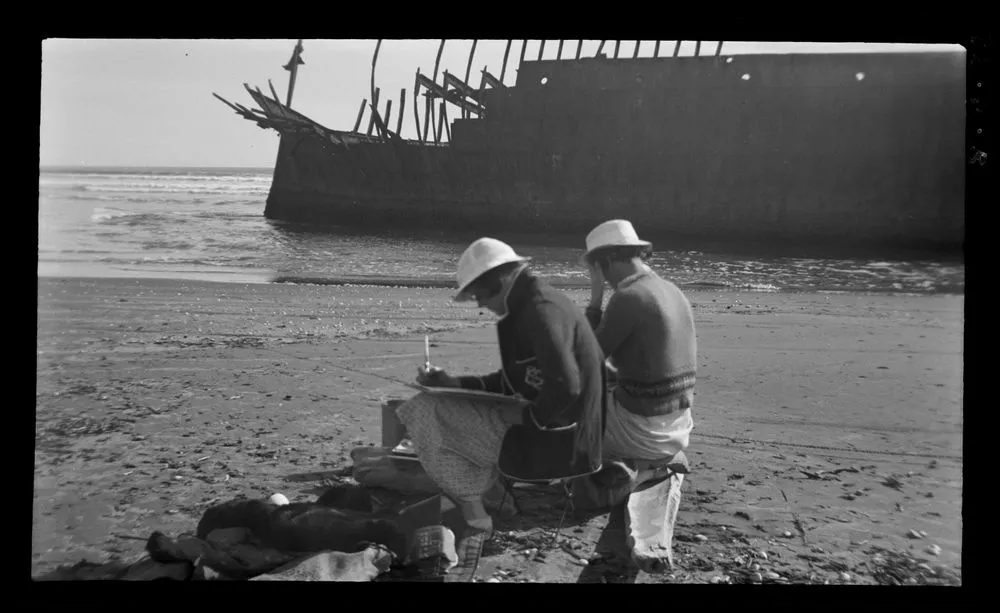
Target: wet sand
826,426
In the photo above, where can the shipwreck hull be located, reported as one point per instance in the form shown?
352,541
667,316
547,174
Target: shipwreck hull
834,148
410,183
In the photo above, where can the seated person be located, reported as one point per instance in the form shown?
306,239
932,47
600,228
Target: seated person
647,331
549,356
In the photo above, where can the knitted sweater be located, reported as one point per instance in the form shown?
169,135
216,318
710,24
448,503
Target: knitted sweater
647,330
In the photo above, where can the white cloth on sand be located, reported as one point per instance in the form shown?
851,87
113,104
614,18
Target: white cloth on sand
458,441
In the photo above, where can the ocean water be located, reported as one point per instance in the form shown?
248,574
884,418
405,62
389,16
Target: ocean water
208,224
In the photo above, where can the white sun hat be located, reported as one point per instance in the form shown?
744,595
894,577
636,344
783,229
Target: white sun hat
482,255
614,233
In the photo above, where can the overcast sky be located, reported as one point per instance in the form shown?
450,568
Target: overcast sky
150,103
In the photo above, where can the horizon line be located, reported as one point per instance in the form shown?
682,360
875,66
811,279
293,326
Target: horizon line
174,166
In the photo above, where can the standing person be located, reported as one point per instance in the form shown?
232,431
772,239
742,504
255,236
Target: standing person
647,331
549,356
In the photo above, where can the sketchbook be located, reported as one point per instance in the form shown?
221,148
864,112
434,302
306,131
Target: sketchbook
473,394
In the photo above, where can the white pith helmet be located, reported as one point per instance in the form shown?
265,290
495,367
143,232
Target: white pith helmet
614,233
482,255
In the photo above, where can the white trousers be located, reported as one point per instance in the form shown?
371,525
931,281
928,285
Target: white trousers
634,437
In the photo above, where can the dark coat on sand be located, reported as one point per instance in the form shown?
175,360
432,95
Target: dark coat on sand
550,357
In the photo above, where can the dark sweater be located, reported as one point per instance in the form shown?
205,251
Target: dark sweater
551,357
647,330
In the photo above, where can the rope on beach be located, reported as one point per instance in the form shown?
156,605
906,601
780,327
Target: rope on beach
732,439
341,366
826,448
370,374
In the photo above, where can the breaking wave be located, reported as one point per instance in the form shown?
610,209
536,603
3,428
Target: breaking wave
112,216
139,200
167,188
247,183
166,244
214,262
107,214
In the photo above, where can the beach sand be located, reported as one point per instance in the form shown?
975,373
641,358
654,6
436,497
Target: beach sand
158,398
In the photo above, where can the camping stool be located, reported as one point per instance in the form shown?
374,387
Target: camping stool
652,470
508,487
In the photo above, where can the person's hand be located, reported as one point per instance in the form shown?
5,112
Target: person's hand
435,377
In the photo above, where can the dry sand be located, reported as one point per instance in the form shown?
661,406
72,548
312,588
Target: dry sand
827,427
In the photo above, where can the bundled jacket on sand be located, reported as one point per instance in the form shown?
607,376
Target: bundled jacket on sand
259,540
551,357
304,527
